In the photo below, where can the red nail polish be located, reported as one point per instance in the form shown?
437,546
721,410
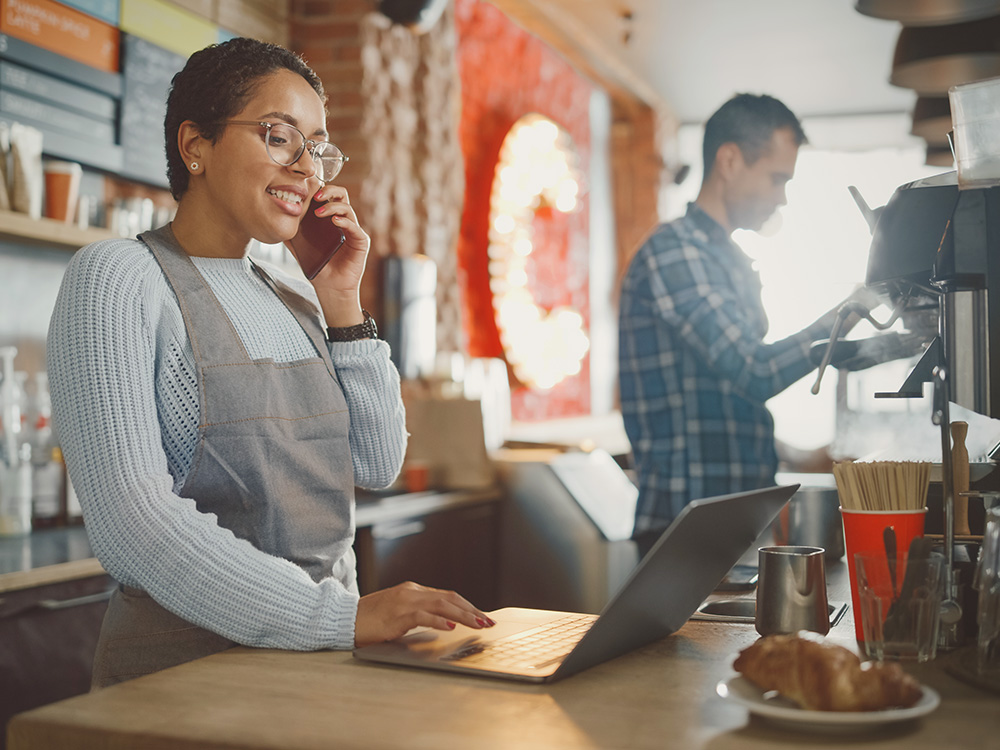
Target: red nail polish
481,622
451,626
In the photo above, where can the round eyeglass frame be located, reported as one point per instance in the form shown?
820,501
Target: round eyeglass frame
306,144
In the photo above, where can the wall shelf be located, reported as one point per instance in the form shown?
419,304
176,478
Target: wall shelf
17,227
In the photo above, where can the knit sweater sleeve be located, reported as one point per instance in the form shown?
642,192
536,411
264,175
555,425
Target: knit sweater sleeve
694,295
101,366
378,421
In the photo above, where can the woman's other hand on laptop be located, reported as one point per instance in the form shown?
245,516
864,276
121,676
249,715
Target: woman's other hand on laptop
390,613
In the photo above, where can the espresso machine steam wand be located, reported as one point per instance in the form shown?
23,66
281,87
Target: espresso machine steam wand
843,313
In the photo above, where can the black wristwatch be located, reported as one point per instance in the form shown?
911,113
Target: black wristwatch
366,330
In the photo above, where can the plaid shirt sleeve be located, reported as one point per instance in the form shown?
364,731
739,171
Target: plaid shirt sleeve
694,293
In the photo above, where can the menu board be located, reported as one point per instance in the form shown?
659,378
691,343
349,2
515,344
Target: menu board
85,101
148,71
106,10
39,58
59,73
68,32
167,25
74,106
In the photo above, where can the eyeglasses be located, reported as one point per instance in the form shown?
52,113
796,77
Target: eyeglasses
285,144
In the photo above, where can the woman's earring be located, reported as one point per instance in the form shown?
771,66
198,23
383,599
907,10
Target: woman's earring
194,166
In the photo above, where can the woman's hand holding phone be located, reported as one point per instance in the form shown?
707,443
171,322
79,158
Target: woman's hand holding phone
317,241
332,250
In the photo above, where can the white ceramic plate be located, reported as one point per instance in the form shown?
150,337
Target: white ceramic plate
783,711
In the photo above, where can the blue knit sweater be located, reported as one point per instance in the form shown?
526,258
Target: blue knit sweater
125,406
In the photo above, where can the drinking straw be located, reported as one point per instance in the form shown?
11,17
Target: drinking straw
882,485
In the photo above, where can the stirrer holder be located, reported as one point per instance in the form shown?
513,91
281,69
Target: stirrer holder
951,610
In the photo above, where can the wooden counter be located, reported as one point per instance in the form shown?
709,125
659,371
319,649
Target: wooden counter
660,696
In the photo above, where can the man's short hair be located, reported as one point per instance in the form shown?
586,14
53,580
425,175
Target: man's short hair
749,121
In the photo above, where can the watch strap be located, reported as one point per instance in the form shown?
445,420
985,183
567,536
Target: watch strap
365,330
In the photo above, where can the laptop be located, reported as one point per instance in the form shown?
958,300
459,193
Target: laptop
681,569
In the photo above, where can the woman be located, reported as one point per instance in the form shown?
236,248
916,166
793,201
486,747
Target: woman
215,416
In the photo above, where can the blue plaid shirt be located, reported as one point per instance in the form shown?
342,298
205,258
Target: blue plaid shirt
694,370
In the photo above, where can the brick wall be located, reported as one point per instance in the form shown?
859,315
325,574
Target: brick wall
392,110
327,33
393,99
637,174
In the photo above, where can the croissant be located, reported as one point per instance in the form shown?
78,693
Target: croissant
823,676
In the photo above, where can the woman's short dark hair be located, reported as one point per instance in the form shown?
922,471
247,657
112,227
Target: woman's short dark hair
216,84
749,121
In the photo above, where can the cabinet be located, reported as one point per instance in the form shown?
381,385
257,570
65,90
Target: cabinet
48,634
444,540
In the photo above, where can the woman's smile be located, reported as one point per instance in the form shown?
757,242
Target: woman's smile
290,199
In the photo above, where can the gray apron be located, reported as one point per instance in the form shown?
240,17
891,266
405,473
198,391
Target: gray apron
273,463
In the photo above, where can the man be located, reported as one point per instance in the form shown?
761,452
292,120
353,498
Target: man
694,370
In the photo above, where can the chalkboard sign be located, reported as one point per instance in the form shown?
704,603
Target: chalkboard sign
147,71
20,51
56,91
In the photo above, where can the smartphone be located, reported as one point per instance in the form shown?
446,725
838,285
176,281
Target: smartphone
740,578
317,241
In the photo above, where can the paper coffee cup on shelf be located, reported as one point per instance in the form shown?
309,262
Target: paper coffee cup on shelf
62,186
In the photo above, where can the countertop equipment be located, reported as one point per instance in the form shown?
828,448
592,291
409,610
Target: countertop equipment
570,514
935,256
812,516
930,259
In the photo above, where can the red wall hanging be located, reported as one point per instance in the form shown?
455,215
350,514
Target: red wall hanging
507,74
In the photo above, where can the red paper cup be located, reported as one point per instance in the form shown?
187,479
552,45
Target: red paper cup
417,476
62,186
863,532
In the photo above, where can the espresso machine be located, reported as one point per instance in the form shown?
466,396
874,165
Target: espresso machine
936,249
935,260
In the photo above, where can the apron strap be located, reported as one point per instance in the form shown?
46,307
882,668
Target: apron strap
214,339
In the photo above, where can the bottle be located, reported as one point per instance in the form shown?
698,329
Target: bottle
10,406
47,488
46,463
21,381
74,513
15,454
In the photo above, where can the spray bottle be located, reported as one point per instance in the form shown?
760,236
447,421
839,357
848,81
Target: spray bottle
47,470
15,461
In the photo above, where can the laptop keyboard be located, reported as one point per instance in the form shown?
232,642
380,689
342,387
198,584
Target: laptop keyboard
534,648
